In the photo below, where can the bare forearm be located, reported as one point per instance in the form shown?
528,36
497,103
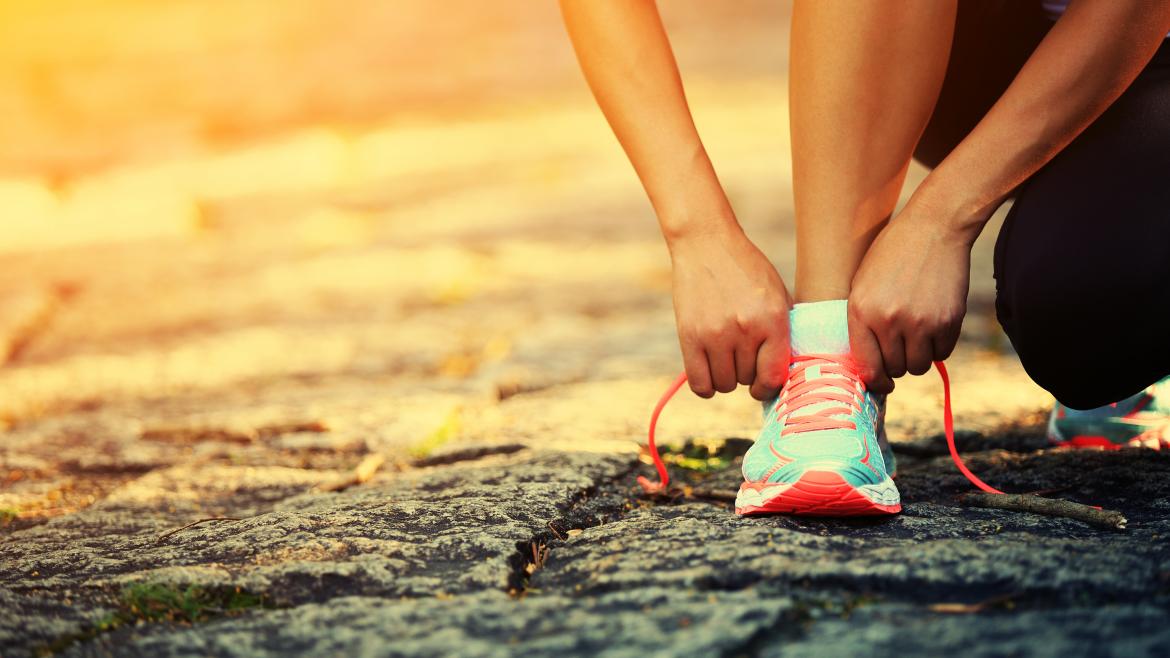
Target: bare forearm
627,60
1088,59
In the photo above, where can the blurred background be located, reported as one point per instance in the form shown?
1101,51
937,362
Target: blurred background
238,175
126,120
390,217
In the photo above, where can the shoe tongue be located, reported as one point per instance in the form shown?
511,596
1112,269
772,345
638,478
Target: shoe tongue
819,328
813,371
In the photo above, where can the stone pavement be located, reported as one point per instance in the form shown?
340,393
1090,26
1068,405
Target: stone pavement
397,373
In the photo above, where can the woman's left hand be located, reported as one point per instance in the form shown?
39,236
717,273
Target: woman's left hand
909,296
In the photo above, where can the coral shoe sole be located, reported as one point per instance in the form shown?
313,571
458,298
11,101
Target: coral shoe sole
818,493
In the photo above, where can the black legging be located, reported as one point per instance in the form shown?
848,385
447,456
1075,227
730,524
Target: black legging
1082,264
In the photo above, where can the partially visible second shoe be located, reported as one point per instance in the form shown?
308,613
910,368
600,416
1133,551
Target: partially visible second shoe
1142,420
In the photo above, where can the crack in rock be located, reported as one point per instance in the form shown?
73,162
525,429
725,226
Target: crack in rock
593,507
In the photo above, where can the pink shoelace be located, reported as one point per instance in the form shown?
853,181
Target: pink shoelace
804,393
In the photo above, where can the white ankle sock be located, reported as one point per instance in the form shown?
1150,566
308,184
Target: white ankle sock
819,327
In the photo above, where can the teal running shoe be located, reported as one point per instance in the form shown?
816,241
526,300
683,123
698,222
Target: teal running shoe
821,451
1141,420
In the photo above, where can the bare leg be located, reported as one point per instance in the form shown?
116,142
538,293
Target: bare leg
863,82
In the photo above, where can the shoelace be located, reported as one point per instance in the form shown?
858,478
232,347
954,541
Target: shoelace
810,392
802,392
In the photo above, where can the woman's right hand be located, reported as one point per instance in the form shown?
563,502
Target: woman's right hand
731,308
730,304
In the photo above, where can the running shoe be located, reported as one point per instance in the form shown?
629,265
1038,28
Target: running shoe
820,451
1141,420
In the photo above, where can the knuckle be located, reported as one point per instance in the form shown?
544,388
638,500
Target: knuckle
745,323
775,316
854,312
945,349
716,330
861,309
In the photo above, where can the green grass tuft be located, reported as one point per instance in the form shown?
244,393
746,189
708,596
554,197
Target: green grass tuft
159,602
700,455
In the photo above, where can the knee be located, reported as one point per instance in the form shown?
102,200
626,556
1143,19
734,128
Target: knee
1077,378
1048,331
1076,350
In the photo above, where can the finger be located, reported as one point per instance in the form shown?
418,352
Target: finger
771,368
944,342
745,359
919,354
721,361
868,355
698,374
893,354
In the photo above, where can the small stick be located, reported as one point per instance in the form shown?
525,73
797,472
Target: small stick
1102,518
195,523
555,531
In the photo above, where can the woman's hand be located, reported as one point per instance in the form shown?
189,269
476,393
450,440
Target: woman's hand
730,304
909,296
731,308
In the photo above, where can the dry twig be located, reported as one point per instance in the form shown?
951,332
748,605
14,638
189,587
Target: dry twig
555,532
1101,518
195,523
